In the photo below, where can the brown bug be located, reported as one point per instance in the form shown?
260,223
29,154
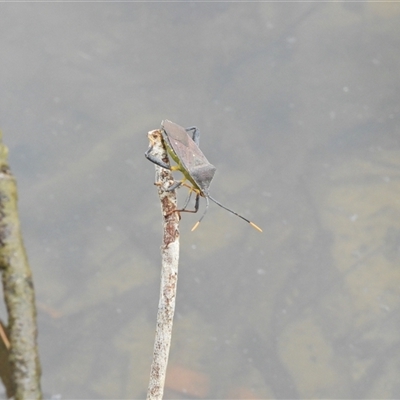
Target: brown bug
192,163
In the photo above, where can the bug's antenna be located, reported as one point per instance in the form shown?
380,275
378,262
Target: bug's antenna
231,211
204,213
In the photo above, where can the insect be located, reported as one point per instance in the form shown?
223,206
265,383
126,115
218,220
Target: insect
192,163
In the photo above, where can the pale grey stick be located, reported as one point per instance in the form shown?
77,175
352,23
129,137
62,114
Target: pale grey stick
169,271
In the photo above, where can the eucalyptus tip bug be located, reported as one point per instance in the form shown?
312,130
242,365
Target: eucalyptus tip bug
197,171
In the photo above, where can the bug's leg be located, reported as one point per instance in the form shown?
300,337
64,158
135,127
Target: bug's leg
174,186
204,213
195,134
155,160
196,204
187,200
183,209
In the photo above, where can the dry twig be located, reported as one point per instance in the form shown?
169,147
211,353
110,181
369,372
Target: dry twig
169,271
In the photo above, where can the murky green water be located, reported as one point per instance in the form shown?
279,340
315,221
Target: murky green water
298,108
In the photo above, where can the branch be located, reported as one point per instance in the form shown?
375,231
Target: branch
18,291
169,271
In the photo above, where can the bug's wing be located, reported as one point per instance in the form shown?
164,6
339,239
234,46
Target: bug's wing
203,175
190,155
176,133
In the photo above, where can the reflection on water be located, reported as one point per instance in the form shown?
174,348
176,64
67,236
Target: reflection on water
298,111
